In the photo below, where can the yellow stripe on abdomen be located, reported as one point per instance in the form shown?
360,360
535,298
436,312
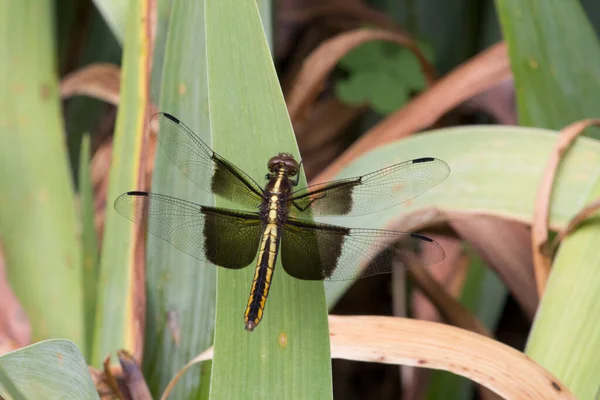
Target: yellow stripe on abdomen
267,255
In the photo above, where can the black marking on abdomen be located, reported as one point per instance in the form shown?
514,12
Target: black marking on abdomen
261,285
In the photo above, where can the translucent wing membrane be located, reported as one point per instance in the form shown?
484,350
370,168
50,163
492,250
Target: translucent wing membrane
369,193
226,238
211,172
314,251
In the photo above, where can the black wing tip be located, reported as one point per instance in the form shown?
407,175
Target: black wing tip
136,193
423,160
172,118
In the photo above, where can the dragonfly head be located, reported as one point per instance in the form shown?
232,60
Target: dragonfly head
286,161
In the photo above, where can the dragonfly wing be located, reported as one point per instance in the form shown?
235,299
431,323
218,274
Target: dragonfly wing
314,251
208,170
206,233
369,193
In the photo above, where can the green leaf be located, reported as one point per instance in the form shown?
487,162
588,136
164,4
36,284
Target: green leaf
181,291
116,313
90,241
115,15
555,74
52,369
287,355
494,170
38,224
381,74
557,82
9,388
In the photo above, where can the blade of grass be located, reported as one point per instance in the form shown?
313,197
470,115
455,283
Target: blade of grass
90,242
115,14
555,74
287,356
120,306
181,290
38,225
557,83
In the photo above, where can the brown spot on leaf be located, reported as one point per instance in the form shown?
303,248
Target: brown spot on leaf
422,362
45,91
283,341
60,358
556,386
182,89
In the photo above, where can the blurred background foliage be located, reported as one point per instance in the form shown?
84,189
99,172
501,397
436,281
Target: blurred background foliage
77,91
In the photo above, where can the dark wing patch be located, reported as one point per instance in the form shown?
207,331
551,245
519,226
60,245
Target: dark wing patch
208,170
313,251
226,238
369,193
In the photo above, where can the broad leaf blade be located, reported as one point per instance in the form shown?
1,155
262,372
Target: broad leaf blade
118,313
38,225
52,369
181,290
287,355
557,82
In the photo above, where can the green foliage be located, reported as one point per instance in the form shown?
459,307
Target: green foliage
51,369
381,74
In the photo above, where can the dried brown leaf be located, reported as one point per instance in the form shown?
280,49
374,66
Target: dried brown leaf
320,63
475,76
99,81
504,245
205,355
355,9
389,340
392,340
447,305
539,232
111,377
585,213
133,377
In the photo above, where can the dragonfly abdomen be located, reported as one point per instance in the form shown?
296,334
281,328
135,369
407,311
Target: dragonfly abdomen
261,284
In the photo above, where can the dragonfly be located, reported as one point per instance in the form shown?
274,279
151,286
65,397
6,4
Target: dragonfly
277,219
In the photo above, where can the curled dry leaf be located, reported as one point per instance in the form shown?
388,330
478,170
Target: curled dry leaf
133,377
475,76
320,63
443,297
539,233
111,378
99,81
205,355
585,213
355,9
450,308
498,101
401,341
502,369
504,245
